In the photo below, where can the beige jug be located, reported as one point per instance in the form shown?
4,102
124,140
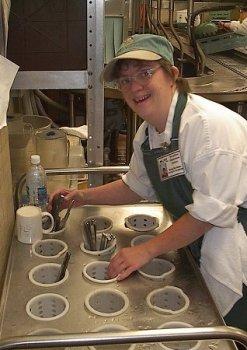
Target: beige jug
21,144
53,148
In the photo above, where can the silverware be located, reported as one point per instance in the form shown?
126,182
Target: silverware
63,221
56,208
106,239
64,266
93,230
88,233
103,241
85,239
109,238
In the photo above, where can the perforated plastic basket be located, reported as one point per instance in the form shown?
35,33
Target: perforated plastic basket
46,275
47,307
107,302
96,271
168,300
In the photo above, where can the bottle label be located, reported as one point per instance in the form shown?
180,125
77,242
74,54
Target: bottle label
37,196
42,195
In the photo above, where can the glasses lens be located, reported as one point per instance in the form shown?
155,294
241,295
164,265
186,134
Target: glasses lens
124,83
143,78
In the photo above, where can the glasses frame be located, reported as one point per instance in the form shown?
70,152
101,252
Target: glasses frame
143,78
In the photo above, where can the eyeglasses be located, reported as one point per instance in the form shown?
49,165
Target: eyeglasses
142,78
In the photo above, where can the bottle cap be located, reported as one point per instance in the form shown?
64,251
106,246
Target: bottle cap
35,159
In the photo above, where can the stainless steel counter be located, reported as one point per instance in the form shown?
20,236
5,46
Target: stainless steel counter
18,289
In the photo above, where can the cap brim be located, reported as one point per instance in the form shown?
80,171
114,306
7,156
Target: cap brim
108,72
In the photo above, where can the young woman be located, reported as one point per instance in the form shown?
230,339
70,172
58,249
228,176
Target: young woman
191,155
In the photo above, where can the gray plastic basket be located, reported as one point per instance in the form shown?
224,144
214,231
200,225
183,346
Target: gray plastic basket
222,42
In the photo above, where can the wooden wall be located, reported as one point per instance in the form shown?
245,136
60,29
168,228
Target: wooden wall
6,202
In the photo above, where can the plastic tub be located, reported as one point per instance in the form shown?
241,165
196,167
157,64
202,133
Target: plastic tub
49,248
47,307
112,328
108,251
96,271
141,222
140,239
157,269
179,345
55,233
46,275
168,300
103,224
107,302
47,331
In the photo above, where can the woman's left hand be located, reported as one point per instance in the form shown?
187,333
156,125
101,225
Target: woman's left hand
128,260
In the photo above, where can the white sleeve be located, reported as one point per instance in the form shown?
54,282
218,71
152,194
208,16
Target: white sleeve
239,28
219,182
136,178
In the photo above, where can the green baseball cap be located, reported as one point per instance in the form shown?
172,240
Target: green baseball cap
147,47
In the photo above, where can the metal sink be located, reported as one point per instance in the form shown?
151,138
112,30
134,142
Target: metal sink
19,290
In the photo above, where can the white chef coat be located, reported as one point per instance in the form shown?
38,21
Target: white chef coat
213,146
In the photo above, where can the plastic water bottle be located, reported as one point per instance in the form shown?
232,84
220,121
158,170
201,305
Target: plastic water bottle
36,183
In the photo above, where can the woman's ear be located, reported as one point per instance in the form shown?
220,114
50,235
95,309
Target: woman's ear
175,72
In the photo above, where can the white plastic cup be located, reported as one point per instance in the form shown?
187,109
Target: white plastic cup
29,224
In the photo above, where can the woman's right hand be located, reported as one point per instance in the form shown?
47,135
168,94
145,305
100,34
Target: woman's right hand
224,25
68,195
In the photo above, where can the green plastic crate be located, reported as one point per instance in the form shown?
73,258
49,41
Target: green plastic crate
222,14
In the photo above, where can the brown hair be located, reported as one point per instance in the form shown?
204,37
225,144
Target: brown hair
181,83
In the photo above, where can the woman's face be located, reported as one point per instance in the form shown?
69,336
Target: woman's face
243,15
150,97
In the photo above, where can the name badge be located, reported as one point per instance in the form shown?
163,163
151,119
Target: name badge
170,165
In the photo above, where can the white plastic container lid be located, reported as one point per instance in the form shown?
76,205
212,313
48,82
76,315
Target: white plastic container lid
35,159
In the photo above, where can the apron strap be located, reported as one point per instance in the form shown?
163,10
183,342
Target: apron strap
242,217
177,118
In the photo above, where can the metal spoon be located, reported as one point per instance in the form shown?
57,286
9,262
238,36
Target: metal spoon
64,266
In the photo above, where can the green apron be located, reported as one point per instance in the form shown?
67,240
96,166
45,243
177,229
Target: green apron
176,192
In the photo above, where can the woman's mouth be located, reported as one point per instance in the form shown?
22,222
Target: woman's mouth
141,99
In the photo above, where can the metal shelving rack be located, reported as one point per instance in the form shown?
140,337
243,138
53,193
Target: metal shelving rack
87,79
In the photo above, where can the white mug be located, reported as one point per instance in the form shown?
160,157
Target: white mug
29,224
